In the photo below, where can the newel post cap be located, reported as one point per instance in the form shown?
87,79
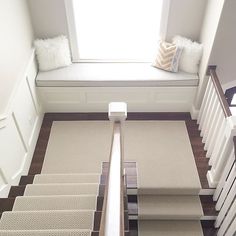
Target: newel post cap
117,111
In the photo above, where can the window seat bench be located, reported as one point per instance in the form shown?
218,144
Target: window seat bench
113,74
89,87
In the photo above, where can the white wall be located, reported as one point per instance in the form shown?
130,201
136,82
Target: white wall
224,49
185,18
207,37
20,110
15,47
48,18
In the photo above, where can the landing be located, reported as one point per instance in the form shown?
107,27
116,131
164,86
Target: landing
161,149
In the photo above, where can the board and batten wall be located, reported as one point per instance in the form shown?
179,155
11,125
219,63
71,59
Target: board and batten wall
20,110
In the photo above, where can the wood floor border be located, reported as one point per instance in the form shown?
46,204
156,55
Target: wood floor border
41,146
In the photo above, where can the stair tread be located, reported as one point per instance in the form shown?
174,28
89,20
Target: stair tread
169,207
73,232
6,204
169,228
58,202
37,220
61,189
67,178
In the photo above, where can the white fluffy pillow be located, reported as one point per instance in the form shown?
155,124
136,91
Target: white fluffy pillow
191,54
52,53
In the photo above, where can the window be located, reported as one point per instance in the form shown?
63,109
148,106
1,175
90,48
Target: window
230,95
111,30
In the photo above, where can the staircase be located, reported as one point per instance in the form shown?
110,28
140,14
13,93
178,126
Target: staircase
64,204
184,211
72,204
169,214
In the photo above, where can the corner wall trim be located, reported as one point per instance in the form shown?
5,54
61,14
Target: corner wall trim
3,122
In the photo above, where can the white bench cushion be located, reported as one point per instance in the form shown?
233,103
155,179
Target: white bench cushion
112,75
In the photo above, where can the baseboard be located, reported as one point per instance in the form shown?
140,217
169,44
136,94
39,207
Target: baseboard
194,112
34,139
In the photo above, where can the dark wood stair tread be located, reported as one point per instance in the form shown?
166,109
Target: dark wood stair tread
16,191
26,179
208,205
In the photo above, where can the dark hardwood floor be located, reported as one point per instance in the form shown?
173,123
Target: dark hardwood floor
39,153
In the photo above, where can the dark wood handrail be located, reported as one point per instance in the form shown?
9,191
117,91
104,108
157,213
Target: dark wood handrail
219,92
234,141
102,230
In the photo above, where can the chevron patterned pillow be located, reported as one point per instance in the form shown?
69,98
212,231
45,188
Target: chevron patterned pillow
168,55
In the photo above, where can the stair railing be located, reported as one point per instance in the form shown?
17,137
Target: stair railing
225,195
112,220
218,129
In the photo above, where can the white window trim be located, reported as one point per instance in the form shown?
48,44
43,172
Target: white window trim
72,30
73,34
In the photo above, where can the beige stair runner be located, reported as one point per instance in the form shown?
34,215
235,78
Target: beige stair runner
53,219
169,228
40,203
54,205
169,207
73,232
61,189
166,173
66,178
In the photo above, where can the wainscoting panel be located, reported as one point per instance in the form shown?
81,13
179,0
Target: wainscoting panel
19,129
12,150
25,113
30,78
96,99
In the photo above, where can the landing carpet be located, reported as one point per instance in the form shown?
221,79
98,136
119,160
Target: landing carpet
161,149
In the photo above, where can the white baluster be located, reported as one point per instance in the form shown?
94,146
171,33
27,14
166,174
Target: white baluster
226,205
205,108
226,188
224,175
213,175
232,228
204,101
212,125
207,112
212,109
219,143
216,129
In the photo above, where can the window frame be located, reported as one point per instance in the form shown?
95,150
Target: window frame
73,40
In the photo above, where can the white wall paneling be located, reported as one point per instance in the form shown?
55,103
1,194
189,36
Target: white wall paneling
96,99
19,131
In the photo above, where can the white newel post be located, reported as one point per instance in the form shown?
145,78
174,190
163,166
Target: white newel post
117,111
223,152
